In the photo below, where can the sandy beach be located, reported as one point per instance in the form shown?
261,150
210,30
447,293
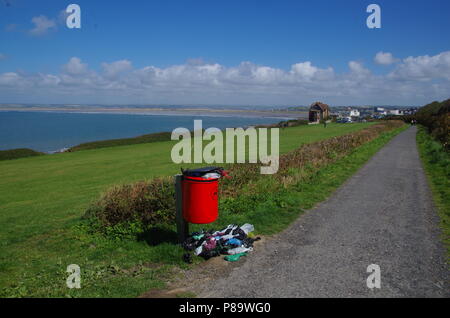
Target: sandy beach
176,111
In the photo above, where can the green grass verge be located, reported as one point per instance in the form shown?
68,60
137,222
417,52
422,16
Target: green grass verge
42,199
436,162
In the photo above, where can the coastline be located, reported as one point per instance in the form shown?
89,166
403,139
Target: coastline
285,115
273,118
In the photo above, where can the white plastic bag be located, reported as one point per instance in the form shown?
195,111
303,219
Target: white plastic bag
211,175
198,250
247,228
238,250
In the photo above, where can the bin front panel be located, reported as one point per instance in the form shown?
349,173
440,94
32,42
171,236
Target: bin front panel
200,201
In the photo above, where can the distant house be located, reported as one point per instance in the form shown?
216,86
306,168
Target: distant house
318,111
394,112
354,113
410,111
350,114
379,112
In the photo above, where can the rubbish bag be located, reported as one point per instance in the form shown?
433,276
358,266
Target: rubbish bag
235,257
206,172
190,244
248,242
239,250
232,240
247,228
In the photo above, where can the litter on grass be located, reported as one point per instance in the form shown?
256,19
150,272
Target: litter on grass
233,241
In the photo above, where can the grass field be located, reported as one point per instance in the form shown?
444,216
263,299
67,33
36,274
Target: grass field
41,202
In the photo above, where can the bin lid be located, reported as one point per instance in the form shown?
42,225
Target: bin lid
200,172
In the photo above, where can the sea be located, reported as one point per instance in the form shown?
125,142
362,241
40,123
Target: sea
54,131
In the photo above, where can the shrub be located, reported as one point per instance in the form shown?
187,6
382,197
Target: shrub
18,153
293,123
146,202
436,118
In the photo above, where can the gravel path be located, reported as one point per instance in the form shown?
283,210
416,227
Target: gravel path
383,215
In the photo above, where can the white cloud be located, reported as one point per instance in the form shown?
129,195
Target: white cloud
75,67
304,69
42,25
424,68
415,80
385,58
358,69
49,80
9,79
111,70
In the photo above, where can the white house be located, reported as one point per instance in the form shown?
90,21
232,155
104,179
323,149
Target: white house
354,113
395,112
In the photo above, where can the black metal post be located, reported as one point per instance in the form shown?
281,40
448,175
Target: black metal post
182,225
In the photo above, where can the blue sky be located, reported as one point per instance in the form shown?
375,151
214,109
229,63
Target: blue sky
224,52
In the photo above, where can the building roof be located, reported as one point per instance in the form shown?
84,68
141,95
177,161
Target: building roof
322,106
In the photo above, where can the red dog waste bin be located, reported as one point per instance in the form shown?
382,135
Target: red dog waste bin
200,201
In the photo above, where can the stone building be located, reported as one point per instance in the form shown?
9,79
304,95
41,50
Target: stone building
318,111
